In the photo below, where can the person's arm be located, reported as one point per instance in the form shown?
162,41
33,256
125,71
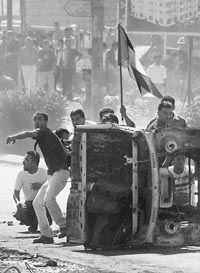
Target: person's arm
129,122
16,196
23,135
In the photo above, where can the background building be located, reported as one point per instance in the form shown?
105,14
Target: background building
164,12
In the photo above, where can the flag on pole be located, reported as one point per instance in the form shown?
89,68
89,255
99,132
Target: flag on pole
127,58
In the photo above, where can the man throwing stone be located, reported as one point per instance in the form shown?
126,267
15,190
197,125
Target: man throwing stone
55,159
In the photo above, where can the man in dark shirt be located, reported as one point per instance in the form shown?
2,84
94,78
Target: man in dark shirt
46,67
55,159
71,56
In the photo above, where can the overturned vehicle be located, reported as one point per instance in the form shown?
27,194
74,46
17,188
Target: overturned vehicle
123,189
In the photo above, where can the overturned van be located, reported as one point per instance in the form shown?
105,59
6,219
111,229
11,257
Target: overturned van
123,193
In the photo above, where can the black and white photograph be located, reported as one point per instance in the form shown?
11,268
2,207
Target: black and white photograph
100,136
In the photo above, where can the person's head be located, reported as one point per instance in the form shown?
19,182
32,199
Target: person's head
45,44
165,111
40,120
77,117
62,133
28,42
114,46
157,59
56,25
169,99
104,46
104,111
31,161
179,162
50,35
68,31
110,118
86,74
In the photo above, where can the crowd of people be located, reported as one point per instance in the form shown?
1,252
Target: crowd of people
53,60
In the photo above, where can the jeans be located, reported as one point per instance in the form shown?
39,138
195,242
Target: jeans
47,197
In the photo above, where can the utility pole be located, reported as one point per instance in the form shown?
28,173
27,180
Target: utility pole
97,8
9,14
2,9
23,16
190,53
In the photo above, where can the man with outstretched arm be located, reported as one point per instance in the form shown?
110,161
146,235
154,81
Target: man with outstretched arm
55,159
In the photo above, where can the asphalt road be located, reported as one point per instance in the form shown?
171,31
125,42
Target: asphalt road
138,260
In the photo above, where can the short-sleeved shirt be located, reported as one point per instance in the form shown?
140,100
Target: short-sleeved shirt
25,179
47,59
52,150
28,56
157,73
182,184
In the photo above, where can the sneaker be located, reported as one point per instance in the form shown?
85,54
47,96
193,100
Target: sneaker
62,233
43,240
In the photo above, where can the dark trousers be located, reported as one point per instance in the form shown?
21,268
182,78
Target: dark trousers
26,215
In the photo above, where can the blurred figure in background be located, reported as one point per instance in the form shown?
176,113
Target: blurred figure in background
46,67
28,63
58,33
158,74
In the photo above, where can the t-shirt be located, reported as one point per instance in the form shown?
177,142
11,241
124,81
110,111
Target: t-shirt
25,179
47,59
28,56
52,150
181,191
157,73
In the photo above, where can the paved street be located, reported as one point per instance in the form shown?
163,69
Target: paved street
148,260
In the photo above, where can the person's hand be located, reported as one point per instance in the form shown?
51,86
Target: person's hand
10,139
123,110
36,186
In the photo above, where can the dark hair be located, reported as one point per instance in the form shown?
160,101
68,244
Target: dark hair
114,45
88,70
77,112
105,110
50,34
104,45
165,104
169,99
41,114
61,41
110,117
60,131
45,41
34,156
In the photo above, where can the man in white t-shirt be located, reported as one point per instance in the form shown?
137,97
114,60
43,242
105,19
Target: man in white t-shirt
158,74
29,180
184,186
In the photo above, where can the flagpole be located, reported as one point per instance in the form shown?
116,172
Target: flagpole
120,66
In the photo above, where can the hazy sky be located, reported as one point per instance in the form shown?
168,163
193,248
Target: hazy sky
15,6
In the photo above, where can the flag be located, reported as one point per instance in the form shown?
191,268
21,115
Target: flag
127,58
